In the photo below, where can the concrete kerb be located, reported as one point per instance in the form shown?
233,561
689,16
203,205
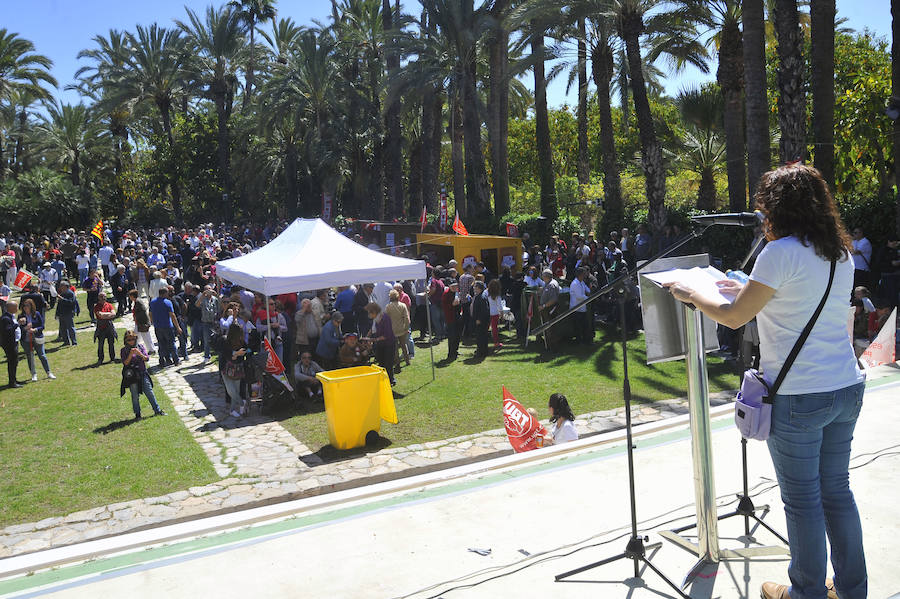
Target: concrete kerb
279,508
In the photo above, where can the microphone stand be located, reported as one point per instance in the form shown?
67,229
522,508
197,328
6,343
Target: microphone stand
635,550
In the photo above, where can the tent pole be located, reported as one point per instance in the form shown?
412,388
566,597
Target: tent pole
430,336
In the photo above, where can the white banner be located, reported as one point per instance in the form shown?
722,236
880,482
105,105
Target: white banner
882,349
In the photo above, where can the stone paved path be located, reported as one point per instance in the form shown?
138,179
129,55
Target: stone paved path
261,462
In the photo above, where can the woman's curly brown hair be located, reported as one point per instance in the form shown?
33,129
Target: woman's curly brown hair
796,201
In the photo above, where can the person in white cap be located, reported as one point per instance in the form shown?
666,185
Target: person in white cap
49,278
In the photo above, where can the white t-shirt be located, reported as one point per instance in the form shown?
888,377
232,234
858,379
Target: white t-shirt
564,431
799,276
82,261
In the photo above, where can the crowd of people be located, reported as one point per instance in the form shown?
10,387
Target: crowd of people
166,278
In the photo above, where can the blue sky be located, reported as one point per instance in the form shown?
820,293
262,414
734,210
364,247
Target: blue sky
61,28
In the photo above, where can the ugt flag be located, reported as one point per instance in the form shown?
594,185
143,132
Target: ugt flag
522,428
274,365
23,277
459,227
882,349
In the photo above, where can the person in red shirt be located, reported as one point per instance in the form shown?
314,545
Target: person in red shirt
450,306
103,314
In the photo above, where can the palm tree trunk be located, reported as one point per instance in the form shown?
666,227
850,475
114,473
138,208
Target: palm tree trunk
602,68
651,150
2,159
164,110
622,82
821,14
706,194
222,150
895,88
392,139
290,179
429,177
456,154
549,208
433,187
20,162
477,191
758,153
378,151
498,110
76,169
791,97
730,76
584,164
248,79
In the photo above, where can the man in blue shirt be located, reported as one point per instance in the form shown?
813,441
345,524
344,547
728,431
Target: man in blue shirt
343,303
165,323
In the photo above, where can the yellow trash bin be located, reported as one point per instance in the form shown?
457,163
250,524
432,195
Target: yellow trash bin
356,401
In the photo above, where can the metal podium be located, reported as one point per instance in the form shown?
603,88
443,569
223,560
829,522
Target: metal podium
674,330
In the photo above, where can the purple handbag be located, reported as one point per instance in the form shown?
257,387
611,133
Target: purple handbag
753,404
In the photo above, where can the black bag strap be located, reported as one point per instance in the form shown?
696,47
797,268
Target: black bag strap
803,336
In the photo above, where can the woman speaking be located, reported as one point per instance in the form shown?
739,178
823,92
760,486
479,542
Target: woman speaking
816,407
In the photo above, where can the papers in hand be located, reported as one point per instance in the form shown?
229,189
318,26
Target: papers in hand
699,279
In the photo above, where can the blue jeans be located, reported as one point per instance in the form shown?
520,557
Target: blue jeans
196,335
165,337
206,331
810,447
145,387
36,348
437,321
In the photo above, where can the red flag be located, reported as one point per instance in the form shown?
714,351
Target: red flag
424,220
512,230
881,350
274,365
459,227
530,307
23,278
523,429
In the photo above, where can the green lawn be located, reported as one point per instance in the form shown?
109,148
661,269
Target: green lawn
71,444
466,396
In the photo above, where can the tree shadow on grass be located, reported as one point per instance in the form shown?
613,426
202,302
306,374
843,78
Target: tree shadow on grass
114,426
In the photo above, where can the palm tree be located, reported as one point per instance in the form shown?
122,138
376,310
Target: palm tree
217,41
252,12
67,135
791,96
758,152
549,208
821,71
21,69
282,39
584,165
498,104
393,168
301,102
358,27
464,27
109,58
23,101
701,147
723,18
675,35
155,73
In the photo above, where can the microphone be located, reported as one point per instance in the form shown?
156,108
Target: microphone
739,219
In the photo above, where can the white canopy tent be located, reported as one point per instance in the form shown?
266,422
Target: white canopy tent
310,255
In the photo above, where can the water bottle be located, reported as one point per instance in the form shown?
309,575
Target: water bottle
738,275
